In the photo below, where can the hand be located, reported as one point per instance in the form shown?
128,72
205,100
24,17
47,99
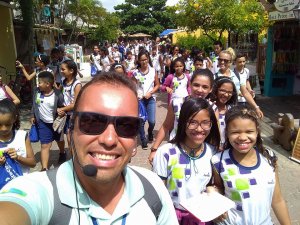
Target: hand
221,218
32,120
148,95
12,153
169,90
259,113
60,112
2,160
151,157
19,64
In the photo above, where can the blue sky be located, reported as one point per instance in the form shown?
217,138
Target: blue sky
109,4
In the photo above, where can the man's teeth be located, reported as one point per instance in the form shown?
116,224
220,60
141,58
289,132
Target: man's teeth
104,157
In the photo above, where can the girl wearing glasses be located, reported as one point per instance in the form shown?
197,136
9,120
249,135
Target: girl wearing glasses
246,173
184,163
224,95
224,62
201,85
147,84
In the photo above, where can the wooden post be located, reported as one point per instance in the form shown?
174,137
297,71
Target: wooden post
296,150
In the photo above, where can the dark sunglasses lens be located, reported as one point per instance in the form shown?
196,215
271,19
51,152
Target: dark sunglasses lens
91,123
127,126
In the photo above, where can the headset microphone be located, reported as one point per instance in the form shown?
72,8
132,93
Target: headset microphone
88,170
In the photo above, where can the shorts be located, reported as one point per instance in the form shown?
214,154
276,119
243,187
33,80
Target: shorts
47,134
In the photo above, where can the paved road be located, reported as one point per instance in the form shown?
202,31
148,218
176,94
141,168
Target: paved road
289,171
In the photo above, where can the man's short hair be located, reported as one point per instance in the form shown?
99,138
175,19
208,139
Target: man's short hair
218,43
112,78
46,76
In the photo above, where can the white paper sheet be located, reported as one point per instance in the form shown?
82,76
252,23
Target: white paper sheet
208,206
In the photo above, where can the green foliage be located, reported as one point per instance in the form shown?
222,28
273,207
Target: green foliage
203,42
217,16
145,16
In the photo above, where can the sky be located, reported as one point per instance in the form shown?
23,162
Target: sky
109,4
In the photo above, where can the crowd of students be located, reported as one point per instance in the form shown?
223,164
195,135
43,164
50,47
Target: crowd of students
212,122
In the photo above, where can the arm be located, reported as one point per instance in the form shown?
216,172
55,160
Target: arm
163,131
167,83
28,76
14,98
279,205
251,101
155,89
12,213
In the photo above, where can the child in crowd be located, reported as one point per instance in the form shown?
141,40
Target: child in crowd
184,163
147,82
198,63
247,173
7,93
46,100
15,143
70,88
177,83
41,62
240,62
201,86
224,95
130,63
156,59
119,68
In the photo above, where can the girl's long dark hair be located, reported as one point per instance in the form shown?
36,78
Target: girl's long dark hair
8,107
217,84
189,109
141,53
246,112
71,65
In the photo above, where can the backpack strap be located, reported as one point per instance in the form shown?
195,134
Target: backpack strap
151,196
61,213
237,74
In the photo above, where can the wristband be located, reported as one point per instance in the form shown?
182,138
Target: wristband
153,149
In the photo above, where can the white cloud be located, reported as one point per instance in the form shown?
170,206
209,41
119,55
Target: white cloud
109,4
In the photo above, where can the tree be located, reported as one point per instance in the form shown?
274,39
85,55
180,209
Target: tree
217,16
145,16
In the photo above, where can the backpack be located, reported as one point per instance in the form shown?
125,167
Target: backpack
62,213
142,111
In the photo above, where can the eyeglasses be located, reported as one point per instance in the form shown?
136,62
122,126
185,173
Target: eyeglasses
194,124
224,60
91,123
223,92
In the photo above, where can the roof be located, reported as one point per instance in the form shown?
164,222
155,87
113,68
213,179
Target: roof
167,32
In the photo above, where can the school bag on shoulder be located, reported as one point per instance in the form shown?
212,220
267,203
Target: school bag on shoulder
10,170
62,213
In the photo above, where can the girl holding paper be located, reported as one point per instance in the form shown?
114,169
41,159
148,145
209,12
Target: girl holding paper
246,173
184,163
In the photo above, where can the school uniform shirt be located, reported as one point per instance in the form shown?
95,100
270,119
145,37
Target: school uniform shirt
251,188
69,92
185,177
176,105
3,94
145,81
18,142
35,194
244,76
105,63
46,105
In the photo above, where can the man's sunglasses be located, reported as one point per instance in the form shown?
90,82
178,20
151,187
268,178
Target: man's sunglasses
91,123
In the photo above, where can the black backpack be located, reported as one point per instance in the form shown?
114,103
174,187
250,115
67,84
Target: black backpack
62,213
